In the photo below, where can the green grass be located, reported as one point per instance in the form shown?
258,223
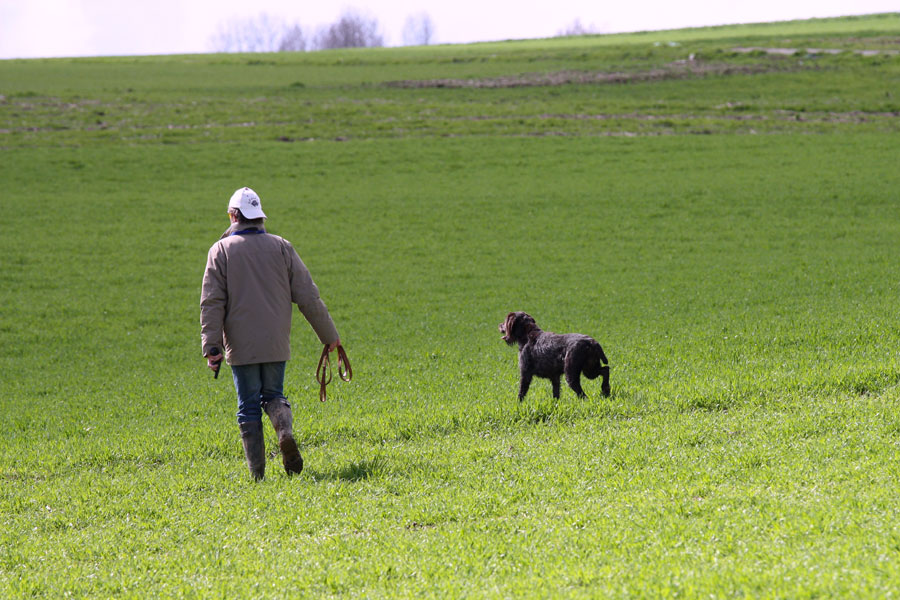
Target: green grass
353,94
744,287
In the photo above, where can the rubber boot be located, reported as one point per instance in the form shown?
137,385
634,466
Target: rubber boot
254,448
279,412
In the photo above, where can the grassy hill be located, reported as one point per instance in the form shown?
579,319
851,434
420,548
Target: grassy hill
662,82
721,217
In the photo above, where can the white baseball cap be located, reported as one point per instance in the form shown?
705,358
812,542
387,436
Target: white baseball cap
247,201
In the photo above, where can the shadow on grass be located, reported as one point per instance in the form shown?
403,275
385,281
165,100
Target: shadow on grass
871,382
566,410
356,471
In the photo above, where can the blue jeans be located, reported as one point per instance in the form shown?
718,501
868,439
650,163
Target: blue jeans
255,384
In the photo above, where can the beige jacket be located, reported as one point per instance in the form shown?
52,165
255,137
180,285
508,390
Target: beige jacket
250,282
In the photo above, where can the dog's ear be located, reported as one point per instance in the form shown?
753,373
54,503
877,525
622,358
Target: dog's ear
508,324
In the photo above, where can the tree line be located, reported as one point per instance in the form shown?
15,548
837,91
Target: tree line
352,30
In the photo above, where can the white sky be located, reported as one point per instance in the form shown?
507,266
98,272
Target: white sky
45,28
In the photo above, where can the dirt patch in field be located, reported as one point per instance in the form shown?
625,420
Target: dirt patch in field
678,70
811,51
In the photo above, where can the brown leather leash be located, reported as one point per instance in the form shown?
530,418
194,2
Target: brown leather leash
323,371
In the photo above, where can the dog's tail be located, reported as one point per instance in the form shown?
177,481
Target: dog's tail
603,370
600,353
597,362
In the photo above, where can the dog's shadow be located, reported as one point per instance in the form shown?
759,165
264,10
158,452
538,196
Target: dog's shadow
565,410
354,472
537,413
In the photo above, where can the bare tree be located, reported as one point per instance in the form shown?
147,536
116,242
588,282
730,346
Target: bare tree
257,34
418,30
576,28
352,30
292,40
265,34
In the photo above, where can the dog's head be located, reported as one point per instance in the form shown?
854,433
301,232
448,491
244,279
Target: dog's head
516,327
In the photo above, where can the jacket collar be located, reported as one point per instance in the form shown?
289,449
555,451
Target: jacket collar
235,229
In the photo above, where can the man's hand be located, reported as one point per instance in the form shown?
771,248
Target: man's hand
333,345
214,360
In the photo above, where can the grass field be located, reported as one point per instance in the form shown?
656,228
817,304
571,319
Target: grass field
726,226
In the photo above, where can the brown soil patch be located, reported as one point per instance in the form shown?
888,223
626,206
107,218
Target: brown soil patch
678,70
812,51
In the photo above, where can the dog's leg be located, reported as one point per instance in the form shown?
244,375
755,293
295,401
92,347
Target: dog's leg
555,382
574,381
524,384
573,373
594,367
526,372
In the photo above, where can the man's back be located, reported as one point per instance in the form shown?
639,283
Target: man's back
251,279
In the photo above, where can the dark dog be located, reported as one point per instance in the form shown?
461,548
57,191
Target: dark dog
550,355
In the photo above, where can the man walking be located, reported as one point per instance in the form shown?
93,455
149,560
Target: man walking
251,280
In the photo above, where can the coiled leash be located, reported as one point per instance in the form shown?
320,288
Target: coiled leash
323,371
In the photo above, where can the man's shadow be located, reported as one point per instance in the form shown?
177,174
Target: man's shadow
356,471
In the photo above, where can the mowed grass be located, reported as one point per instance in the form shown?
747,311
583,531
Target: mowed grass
744,287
